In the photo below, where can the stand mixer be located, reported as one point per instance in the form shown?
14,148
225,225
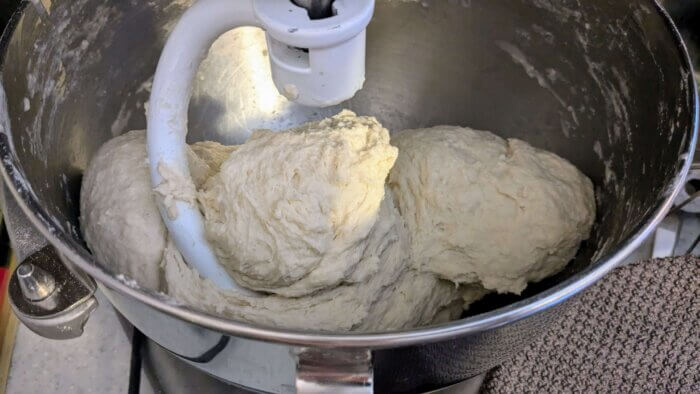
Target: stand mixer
317,58
620,68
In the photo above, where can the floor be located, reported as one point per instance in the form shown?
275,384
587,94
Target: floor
96,362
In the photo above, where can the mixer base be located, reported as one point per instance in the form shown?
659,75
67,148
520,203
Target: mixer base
162,372
165,373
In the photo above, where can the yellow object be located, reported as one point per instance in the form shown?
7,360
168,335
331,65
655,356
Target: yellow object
8,330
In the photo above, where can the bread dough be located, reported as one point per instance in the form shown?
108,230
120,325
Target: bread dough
393,297
379,292
118,217
306,216
484,210
290,213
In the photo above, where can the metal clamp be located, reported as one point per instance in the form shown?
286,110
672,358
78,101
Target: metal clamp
48,298
334,371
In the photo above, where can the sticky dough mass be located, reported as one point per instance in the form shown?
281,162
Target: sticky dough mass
483,209
291,213
306,217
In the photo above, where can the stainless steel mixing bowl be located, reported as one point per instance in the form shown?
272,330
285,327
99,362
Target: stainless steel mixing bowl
605,84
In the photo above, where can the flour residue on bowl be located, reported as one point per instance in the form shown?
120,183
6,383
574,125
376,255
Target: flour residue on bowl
521,59
54,65
560,11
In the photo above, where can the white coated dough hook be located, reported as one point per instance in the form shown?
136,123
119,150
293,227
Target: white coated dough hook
318,62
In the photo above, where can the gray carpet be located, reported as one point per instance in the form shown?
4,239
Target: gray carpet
637,330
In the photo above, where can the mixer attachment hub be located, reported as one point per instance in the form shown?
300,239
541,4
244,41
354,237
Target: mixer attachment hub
318,9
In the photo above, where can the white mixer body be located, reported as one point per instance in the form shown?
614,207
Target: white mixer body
318,62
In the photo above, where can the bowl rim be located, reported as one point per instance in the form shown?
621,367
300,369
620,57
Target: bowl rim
79,255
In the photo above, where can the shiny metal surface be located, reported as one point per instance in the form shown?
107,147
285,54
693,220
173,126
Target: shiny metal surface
57,314
334,371
170,374
47,298
35,283
617,99
24,238
264,366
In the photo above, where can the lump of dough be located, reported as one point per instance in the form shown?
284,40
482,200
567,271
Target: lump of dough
118,217
395,297
122,226
205,159
481,209
290,212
